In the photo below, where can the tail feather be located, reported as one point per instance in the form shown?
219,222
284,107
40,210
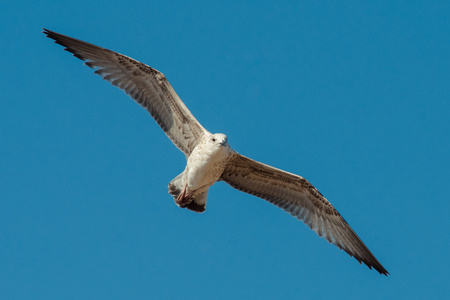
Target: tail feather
198,204
176,185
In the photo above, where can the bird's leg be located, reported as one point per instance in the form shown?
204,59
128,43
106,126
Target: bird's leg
184,197
181,195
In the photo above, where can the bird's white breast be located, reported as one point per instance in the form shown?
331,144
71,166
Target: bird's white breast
206,164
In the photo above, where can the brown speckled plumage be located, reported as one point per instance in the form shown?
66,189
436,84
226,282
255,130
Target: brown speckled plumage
291,192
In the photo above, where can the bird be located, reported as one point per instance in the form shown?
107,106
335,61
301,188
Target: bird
209,156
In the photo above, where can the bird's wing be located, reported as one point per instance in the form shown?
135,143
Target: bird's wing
145,85
298,197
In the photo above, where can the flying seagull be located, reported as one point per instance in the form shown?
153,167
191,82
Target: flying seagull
209,156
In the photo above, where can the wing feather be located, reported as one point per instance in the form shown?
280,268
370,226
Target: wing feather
297,196
145,85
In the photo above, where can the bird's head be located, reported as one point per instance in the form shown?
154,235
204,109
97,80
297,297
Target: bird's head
219,139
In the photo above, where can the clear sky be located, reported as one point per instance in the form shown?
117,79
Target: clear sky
353,96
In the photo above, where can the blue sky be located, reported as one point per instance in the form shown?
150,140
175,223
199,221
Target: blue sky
353,96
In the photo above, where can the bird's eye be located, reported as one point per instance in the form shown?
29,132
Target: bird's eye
213,140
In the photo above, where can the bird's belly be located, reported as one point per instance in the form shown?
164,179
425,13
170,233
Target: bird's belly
203,174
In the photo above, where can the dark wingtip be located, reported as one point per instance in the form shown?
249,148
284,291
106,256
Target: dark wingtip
47,32
380,269
57,37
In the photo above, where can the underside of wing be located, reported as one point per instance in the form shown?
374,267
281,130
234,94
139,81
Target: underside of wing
298,197
144,84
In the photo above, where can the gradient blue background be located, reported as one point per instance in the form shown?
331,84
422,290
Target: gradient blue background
353,96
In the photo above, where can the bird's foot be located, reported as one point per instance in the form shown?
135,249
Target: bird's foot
184,198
